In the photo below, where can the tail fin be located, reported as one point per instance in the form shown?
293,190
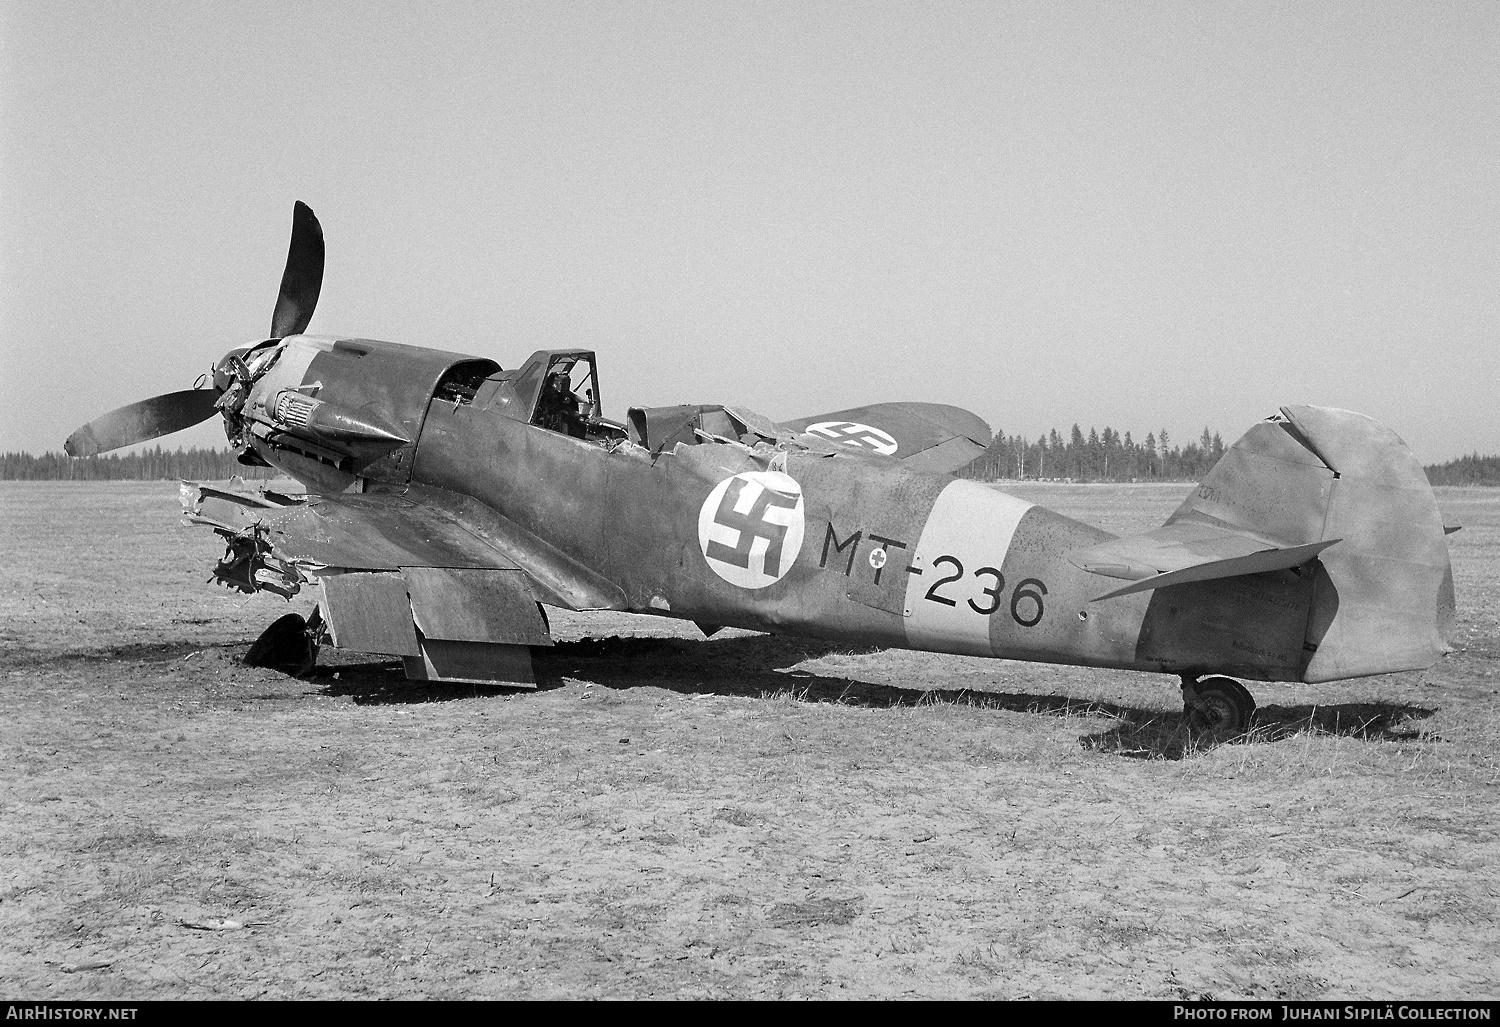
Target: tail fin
1383,596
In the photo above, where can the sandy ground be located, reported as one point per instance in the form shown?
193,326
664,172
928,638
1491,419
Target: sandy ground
743,816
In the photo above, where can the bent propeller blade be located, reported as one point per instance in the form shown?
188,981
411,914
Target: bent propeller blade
140,422
303,278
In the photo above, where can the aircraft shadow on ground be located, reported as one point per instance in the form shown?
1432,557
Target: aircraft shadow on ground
761,666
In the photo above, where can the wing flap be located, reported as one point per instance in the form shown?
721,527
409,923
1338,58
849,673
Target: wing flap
475,606
370,613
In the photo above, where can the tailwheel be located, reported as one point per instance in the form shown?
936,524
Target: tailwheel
290,644
1217,706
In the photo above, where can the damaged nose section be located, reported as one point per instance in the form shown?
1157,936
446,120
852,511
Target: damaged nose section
239,369
230,369
234,375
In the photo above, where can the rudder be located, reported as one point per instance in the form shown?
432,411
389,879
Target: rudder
1383,596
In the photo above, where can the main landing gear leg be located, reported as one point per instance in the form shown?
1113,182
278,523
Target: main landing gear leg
1217,706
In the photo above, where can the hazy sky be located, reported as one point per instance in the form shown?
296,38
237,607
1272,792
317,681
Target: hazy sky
1140,215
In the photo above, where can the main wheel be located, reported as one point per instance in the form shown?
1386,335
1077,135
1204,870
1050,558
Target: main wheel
1220,706
286,645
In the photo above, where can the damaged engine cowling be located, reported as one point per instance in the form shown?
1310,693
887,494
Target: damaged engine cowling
249,412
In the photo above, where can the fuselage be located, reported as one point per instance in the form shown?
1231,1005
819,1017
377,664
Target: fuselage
849,547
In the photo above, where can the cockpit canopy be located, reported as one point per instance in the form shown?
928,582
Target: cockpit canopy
557,389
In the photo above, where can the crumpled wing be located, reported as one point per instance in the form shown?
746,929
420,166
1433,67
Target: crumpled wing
1185,551
932,437
316,534
368,533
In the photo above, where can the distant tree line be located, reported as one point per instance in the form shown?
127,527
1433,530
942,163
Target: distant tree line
1466,470
147,465
1099,456
1110,456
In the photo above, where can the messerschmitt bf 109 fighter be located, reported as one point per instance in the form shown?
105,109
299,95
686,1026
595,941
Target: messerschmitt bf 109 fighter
449,500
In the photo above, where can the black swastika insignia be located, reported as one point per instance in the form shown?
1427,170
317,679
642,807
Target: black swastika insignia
751,525
860,436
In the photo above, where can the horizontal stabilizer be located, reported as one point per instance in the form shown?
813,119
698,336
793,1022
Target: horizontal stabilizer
1189,551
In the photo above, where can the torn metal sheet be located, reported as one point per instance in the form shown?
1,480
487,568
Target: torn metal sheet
230,508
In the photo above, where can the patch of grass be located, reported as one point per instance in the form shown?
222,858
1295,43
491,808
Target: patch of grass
133,837
814,912
975,815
